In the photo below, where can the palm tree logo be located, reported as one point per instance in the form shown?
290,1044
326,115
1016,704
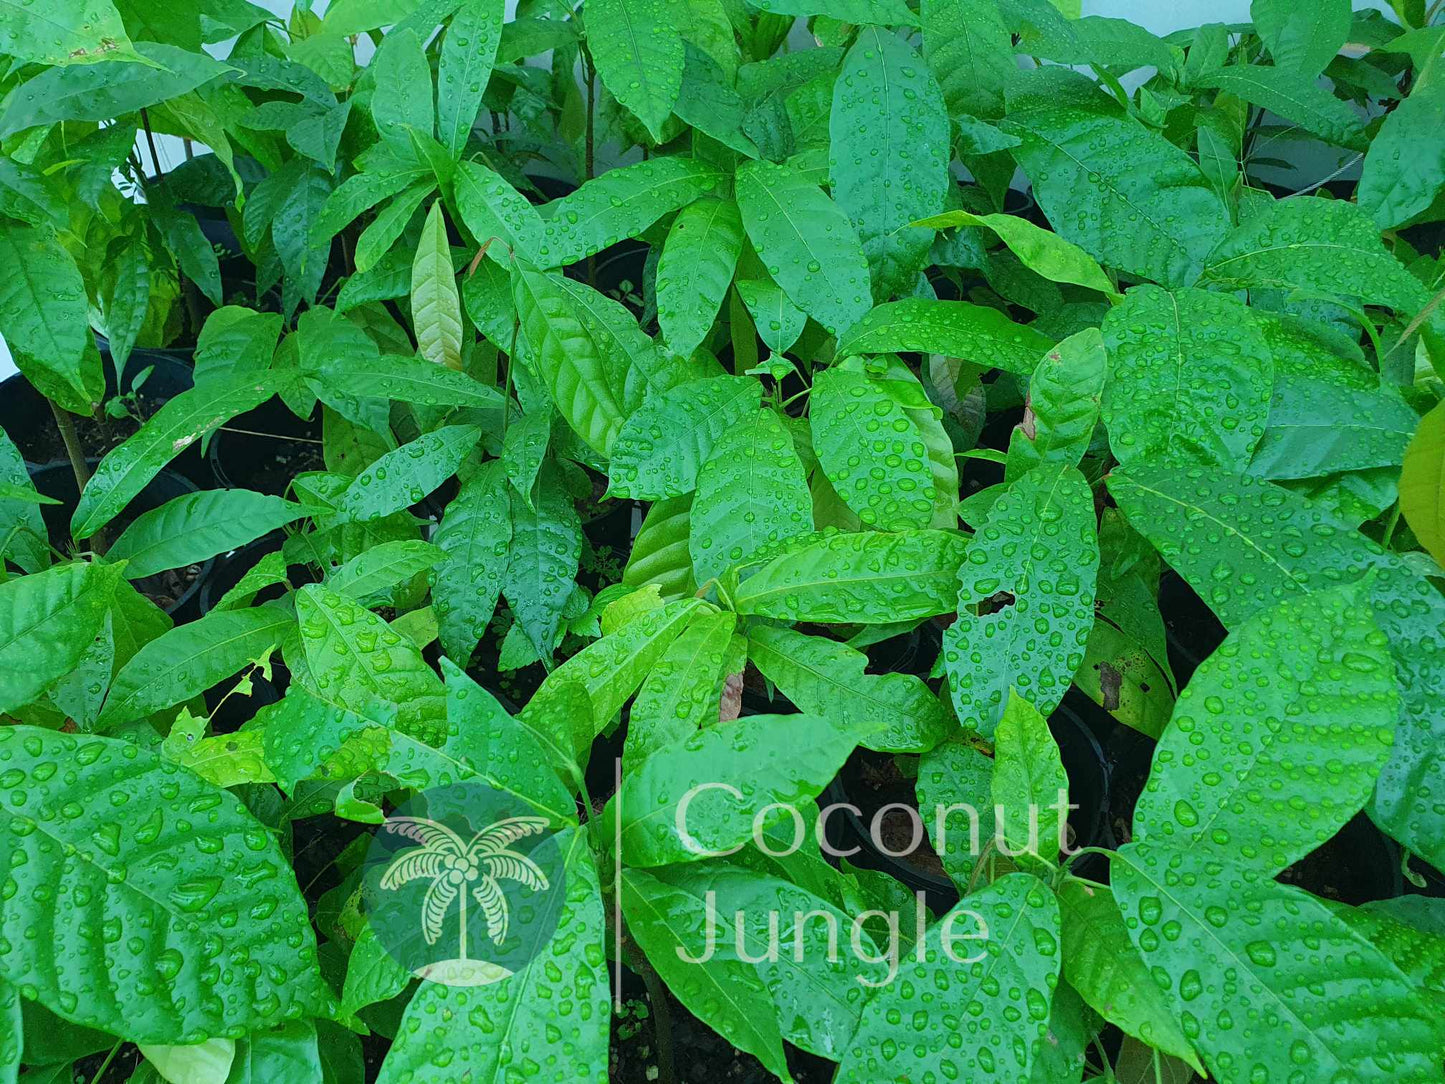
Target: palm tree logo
458,869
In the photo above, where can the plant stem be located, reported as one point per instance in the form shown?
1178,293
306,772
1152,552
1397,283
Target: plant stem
65,422
661,1025
145,120
106,1063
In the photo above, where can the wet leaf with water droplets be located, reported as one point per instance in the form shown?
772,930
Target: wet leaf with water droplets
975,333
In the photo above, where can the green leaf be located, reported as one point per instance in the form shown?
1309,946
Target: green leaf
1244,544
1265,771
971,53
407,474
47,623
822,676
1121,192
22,526
1107,971
888,154
400,71
374,572
545,548
1304,990
1317,428
192,415
236,339
468,52
178,904
356,194
865,578
1029,787
695,270
778,321
1065,393
1038,249
404,379
662,447
609,670
1296,97
1304,37
436,310
621,203
189,659
556,1008
356,661
1405,167
524,449
376,240
202,1063
751,493
197,526
639,56
682,692
871,450
975,333
659,552
1317,246
96,92
587,384
1191,375
726,993
785,758
475,535
1026,598
44,319
490,207
996,950
1422,483
858,12
290,1052
708,102
86,33
807,243
955,777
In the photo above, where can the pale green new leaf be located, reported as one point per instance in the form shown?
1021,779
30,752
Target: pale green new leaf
870,577
977,333
1004,954
888,153
823,676
695,269
114,860
1190,374
1038,249
751,493
189,659
436,310
1029,787
639,56
664,444
871,450
1261,772
807,243
1025,599
47,623
1305,988
1422,483
1107,971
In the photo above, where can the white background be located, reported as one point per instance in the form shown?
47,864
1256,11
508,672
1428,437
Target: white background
1158,16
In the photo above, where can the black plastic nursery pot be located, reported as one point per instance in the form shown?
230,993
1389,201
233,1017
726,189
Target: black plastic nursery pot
265,448
870,782
153,377
176,591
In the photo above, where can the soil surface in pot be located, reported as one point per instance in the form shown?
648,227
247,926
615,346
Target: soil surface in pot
700,1055
263,449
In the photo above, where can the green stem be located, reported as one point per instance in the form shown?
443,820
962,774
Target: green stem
507,389
661,1026
1391,525
106,1063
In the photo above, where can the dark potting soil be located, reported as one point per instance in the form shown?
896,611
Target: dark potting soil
881,783
272,471
98,435
165,589
700,1055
